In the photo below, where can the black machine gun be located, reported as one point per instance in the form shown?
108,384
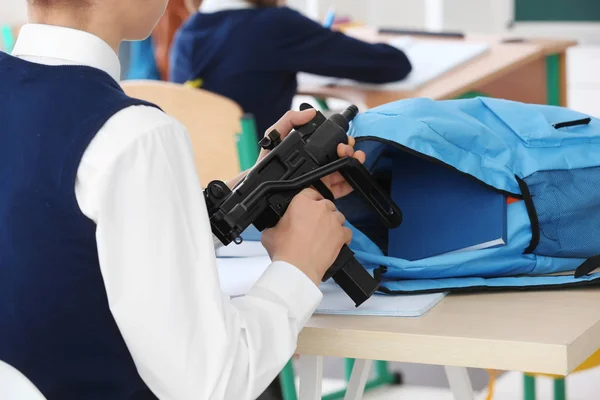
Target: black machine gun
306,155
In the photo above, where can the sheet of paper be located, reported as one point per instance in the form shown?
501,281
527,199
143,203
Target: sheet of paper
429,58
239,274
336,302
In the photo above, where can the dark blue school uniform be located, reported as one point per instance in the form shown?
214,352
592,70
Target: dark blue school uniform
252,56
55,323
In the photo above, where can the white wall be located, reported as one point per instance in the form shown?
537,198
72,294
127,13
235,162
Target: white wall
487,16
484,16
396,13
12,12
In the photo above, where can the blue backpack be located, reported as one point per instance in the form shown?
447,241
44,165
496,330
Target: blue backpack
548,157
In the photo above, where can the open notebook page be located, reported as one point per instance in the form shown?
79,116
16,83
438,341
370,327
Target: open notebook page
429,58
240,267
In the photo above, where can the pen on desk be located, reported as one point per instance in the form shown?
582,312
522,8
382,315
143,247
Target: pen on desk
409,32
329,18
514,40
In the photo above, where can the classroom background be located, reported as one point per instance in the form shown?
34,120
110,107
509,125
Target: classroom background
574,19
577,19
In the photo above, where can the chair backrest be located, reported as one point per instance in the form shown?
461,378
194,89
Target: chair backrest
212,121
15,386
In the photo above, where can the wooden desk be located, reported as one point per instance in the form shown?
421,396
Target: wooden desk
533,72
548,331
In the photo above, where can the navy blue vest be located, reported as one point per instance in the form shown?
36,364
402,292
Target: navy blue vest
55,323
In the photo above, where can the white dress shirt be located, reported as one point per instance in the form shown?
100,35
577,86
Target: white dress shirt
138,183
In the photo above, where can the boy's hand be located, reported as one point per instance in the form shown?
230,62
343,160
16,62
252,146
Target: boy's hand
309,236
335,182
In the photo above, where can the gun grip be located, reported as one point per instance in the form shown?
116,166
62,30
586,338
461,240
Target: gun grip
363,183
352,277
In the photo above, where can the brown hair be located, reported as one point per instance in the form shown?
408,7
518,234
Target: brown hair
264,3
164,32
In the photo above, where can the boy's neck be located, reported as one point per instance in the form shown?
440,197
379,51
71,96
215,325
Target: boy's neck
106,32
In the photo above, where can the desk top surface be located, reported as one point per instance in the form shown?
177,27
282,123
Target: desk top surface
500,59
544,331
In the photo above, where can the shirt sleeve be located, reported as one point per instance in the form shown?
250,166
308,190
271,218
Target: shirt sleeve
156,252
302,45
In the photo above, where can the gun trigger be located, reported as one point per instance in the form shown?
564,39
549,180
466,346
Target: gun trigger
323,190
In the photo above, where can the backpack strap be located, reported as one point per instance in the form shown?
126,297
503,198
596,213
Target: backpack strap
533,217
481,285
588,266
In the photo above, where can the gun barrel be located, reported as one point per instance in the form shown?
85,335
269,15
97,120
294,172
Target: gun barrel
350,112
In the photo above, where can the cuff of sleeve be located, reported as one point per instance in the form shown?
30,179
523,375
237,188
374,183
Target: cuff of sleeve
292,286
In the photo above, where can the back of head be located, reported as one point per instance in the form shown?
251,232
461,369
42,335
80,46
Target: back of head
111,20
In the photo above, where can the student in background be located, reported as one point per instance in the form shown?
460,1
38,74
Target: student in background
251,51
108,281
176,14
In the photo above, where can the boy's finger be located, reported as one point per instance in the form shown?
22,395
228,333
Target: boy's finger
360,156
334,179
351,141
292,119
341,190
312,194
329,204
345,150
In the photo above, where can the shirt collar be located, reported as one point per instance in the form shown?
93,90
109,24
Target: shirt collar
66,46
211,6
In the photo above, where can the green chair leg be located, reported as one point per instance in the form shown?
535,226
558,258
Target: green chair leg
322,103
384,377
528,387
383,373
348,364
247,143
288,384
560,390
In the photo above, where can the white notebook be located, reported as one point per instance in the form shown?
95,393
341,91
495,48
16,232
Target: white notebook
241,266
336,302
429,58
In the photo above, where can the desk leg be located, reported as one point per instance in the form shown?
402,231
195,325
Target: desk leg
556,76
562,62
311,377
460,383
358,379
